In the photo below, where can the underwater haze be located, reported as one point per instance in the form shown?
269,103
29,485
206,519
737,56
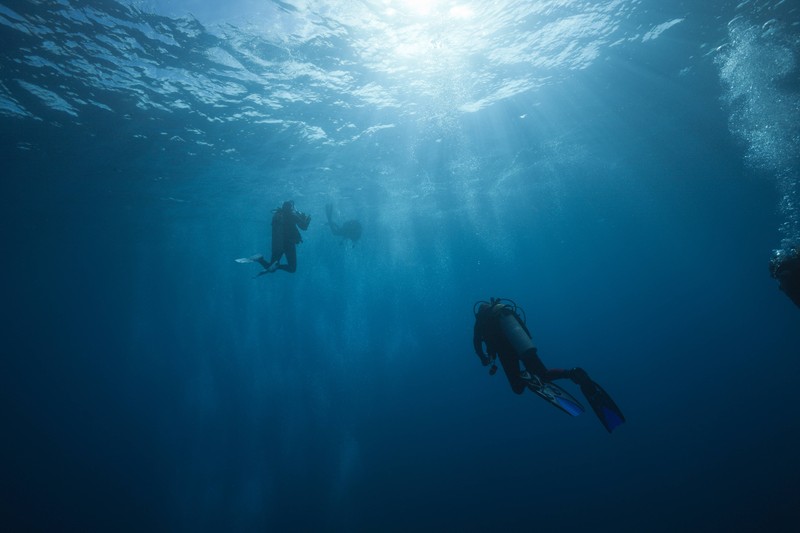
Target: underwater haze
622,169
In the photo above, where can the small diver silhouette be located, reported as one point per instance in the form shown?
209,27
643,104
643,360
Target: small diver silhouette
351,229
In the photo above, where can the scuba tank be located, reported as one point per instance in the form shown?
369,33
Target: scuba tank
514,331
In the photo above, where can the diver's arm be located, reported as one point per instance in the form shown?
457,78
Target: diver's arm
477,344
302,220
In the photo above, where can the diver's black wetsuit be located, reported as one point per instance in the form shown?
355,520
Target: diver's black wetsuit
785,267
285,237
500,328
489,330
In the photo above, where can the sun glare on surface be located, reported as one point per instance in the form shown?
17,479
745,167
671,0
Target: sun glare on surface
461,12
421,8
418,28
427,8
423,48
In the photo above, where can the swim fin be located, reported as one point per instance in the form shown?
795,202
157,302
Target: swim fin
251,259
603,406
553,394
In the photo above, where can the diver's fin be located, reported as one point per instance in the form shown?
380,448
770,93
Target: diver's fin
603,406
251,259
553,394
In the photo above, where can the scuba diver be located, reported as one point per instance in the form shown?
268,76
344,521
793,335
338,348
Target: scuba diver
351,229
285,238
499,326
785,267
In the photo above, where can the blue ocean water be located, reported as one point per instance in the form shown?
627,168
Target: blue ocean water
622,169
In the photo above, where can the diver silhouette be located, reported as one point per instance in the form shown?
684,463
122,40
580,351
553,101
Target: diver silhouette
785,267
499,326
285,237
350,229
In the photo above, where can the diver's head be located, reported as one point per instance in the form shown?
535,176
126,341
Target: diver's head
288,206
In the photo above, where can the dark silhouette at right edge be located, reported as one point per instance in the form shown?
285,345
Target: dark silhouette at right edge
785,267
499,326
350,229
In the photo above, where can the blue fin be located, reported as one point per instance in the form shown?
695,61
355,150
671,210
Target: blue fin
603,406
555,395
571,407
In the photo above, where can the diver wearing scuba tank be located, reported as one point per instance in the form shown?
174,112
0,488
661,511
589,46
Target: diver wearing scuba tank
285,237
499,326
286,225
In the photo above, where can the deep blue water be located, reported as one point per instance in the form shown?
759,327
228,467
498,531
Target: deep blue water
623,170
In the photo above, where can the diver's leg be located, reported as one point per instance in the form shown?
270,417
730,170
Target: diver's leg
291,259
553,374
272,265
510,365
277,252
533,364
603,406
577,375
